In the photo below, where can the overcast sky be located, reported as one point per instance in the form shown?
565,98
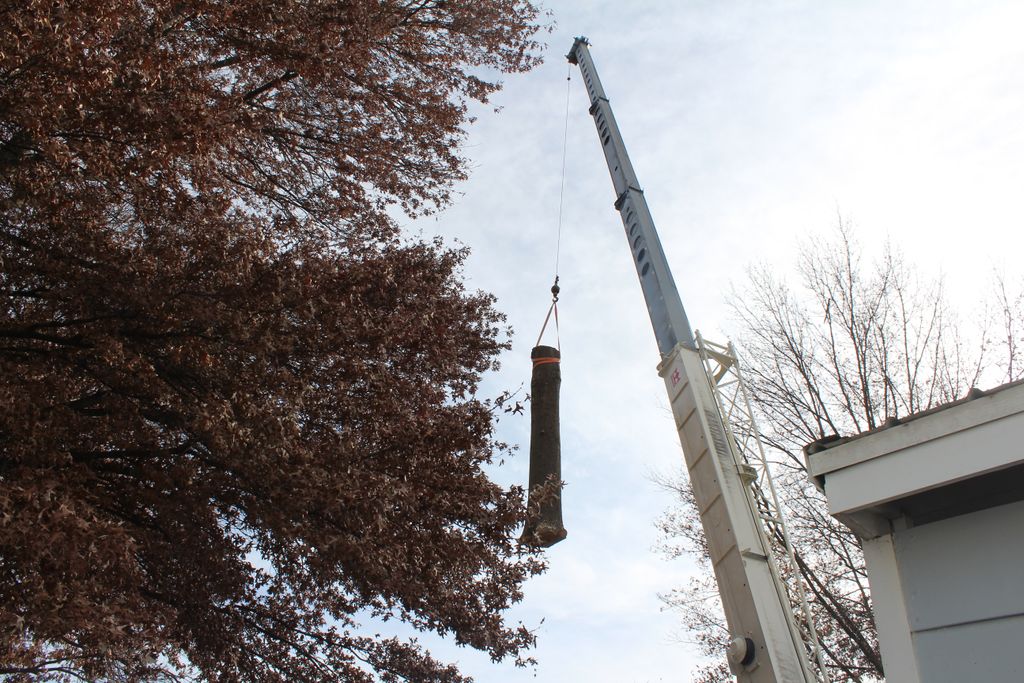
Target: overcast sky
749,124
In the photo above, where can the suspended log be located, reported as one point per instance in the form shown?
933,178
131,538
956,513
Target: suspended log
545,528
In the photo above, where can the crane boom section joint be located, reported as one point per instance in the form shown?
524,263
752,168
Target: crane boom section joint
668,317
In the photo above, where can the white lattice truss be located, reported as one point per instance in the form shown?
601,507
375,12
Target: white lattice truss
723,368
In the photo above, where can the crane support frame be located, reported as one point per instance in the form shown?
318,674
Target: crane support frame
766,644
722,366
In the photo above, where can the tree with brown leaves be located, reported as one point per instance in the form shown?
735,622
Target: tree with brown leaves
238,410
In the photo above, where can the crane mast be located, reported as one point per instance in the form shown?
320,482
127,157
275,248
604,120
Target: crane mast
766,645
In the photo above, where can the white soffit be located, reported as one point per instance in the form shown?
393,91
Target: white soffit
950,444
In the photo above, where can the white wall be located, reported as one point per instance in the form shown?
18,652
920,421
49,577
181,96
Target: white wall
963,587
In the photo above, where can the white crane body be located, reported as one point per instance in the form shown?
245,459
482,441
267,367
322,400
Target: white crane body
766,646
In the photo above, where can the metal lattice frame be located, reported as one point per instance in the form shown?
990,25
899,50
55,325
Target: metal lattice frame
723,369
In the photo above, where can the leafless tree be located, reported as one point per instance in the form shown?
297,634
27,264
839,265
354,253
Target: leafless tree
854,345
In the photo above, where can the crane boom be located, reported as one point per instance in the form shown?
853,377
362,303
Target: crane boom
766,645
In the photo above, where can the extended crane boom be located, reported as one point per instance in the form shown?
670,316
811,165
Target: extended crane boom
766,645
